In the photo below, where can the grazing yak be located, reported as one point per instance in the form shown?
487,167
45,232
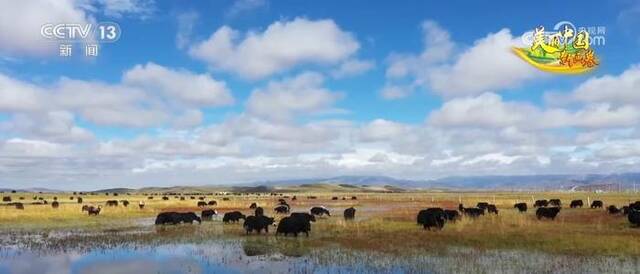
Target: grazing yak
182,198
596,204
522,207
208,214
319,211
225,199
492,209
55,204
354,198
141,204
165,198
625,210
258,212
253,206
451,215
349,213
297,222
233,216
125,203
6,199
635,205
257,223
613,209
92,210
472,212
79,200
294,198
281,209
541,203
555,202
177,218
431,217
482,205
112,203
576,203
334,198
212,203
634,217
547,212
201,204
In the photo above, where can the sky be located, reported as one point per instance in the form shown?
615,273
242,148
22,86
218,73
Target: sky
228,92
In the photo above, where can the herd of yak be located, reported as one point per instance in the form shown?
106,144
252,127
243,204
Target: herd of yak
300,222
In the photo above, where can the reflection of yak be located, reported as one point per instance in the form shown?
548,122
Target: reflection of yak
176,218
257,223
349,213
233,216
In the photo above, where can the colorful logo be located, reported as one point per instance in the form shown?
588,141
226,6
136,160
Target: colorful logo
564,50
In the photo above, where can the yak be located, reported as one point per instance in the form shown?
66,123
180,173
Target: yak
79,200
125,203
541,203
208,214
258,212
492,209
482,205
253,206
233,216
141,204
613,209
212,203
634,217
473,212
596,204
576,203
91,210
112,203
349,213
282,209
177,218
55,204
297,222
451,215
431,217
257,223
555,202
522,207
201,204
319,211
547,212
19,206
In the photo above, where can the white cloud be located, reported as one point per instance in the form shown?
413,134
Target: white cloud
382,130
620,89
186,22
487,66
282,100
20,23
486,110
182,85
352,67
392,92
117,8
245,6
281,46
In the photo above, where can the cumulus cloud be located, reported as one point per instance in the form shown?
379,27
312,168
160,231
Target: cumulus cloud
282,46
282,100
487,66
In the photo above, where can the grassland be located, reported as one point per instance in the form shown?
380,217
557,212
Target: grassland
384,222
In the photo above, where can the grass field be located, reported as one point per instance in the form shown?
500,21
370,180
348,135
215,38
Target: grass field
384,222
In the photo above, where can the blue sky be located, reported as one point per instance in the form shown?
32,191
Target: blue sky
209,92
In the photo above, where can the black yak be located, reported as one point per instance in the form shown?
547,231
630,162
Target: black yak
201,204
473,212
259,211
349,213
576,203
112,203
19,206
55,204
522,207
482,205
91,210
319,211
547,212
613,209
297,222
253,206
634,217
141,204
208,214
451,215
492,209
555,202
257,223
431,217
79,200
596,204
125,203
282,209
212,203
541,203
176,218
233,216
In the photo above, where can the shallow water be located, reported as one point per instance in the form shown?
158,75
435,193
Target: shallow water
270,255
